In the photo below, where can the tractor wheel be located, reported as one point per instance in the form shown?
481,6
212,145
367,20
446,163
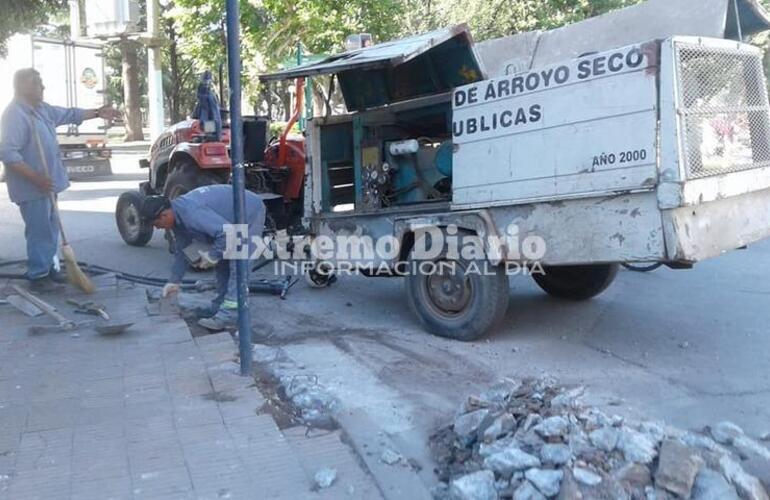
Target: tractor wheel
453,299
576,282
132,228
321,276
183,179
186,177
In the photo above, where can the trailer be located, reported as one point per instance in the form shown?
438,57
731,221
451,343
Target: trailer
657,150
74,76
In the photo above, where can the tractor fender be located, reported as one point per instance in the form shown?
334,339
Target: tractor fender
206,155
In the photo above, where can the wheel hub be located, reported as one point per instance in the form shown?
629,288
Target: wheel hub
449,288
132,221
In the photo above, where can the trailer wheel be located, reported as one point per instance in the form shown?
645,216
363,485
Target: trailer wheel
453,300
134,231
576,282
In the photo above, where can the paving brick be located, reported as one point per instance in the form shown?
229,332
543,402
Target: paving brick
151,414
158,483
114,488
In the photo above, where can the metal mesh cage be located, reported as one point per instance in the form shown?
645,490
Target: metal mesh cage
726,117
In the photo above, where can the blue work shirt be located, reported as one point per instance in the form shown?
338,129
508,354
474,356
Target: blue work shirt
201,215
18,144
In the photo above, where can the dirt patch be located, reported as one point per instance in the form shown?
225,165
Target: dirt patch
219,397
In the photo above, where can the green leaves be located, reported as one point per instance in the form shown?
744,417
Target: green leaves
19,16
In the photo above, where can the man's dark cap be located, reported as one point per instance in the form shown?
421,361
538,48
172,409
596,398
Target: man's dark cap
152,206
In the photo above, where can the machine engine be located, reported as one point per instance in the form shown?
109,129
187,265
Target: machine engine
406,171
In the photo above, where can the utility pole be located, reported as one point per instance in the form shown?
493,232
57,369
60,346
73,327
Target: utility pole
75,29
157,118
239,177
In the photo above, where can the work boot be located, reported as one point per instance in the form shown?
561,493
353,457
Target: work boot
208,311
44,285
224,319
57,276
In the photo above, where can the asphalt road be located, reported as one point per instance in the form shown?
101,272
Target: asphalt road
691,347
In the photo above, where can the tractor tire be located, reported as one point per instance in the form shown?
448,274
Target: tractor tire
459,305
186,177
134,231
576,282
183,179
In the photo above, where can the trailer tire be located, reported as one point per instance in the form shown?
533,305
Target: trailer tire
576,282
134,231
477,303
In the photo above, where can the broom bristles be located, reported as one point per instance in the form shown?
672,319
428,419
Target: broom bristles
75,275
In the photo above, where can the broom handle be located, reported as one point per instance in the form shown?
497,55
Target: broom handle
54,201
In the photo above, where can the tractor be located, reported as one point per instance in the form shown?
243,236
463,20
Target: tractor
196,152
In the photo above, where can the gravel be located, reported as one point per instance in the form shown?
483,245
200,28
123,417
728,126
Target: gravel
513,442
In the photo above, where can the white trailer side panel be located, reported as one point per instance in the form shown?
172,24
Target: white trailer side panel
584,128
90,84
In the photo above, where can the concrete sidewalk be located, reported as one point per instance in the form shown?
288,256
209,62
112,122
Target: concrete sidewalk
151,413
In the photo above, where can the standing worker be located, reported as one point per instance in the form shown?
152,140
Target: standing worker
202,216
30,151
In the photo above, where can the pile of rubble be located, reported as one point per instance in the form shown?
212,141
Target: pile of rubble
533,440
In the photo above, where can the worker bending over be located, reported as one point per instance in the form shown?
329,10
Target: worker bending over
201,216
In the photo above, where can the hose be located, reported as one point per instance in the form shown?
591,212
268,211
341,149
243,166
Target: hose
98,270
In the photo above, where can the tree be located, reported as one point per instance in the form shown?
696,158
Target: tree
131,95
179,76
19,16
490,19
271,30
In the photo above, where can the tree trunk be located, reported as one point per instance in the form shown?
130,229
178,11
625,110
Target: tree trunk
176,83
131,97
286,101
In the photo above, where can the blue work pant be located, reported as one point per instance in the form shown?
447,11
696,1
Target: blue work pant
227,285
41,230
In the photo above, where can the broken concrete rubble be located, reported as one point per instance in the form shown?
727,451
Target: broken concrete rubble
547,482
677,468
748,486
509,461
555,454
586,477
476,486
606,438
711,485
526,491
325,477
637,447
725,432
569,452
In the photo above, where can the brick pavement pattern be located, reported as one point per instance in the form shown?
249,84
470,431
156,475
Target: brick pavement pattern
148,414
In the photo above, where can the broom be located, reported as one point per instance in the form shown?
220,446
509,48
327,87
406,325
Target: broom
75,275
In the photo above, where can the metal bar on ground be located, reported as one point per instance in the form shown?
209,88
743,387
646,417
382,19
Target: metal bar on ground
239,184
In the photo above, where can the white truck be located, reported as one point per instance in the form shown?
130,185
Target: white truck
656,150
74,76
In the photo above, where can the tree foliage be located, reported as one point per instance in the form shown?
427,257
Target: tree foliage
20,16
